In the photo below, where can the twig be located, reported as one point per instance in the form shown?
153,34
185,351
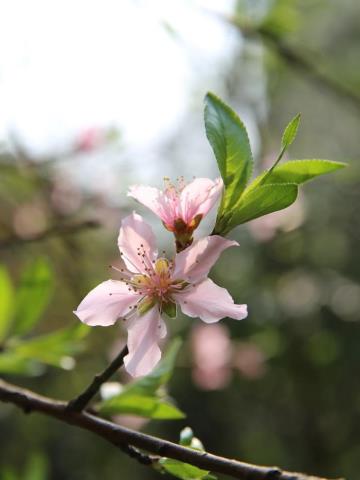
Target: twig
80,402
126,439
57,230
294,58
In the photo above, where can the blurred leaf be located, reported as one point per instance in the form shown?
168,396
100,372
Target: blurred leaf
161,374
33,295
148,407
290,132
6,302
142,396
36,468
8,473
229,140
182,470
282,18
11,363
263,200
296,171
54,348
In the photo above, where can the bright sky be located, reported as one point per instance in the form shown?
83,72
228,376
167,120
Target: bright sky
69,65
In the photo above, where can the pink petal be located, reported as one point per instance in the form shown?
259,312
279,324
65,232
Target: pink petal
106,303
144,332
152,198
209,302
136,233
194,263
198,197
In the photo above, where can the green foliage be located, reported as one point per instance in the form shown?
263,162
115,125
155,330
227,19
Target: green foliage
36,468
20,311
33,295
229,140
6,303
12,363
273,190
143,397
55,348
183,470
290,132
263,200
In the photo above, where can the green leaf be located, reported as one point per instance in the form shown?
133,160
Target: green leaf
8,473
13,364
170,309
263,200
161,374
6,302
296,171
33,296
148,407
290,132
142,397
182,470
54,348
36,468
229,140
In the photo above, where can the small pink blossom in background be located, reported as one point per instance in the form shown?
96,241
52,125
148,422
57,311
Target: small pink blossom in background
249,360
212,352
90,139
151,285
182,207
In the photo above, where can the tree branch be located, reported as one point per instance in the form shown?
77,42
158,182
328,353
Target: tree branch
57,230
294,58
129,440
80,402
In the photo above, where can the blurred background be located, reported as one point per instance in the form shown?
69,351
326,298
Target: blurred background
96,96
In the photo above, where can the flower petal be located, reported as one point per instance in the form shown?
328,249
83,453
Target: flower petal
198,197
136,233
194,263
154,199
209,302
106,303
144,332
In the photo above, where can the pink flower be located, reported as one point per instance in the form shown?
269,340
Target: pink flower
182,207
151,286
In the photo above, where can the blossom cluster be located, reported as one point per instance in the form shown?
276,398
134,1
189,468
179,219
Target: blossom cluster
151,285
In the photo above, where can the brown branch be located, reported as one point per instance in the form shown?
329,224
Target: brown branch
57,230
129,440
294,58
80,402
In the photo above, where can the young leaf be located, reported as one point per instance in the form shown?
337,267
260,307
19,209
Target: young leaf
150,384
290,132
185,471
187,439
33,296
143,406
11,363
142,396
296,171
54,348
36,468
229,140
263,200
6,302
